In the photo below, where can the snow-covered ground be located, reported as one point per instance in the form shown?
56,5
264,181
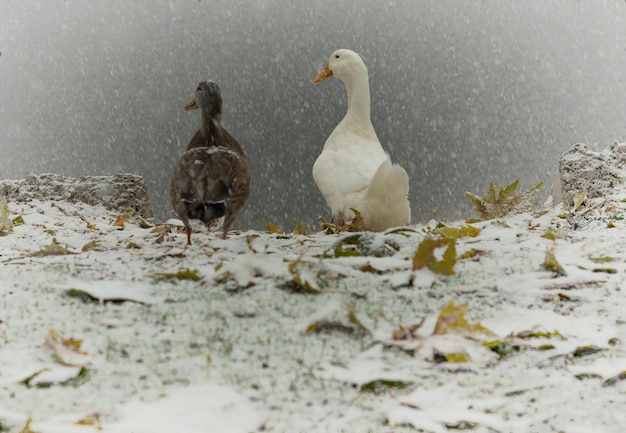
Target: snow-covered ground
122,328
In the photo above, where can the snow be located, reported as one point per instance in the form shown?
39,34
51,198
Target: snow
234,350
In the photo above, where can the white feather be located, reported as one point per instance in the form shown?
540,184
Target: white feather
353,170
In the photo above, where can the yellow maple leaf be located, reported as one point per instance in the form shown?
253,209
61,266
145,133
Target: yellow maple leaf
26,428
273,229
92,419
425,255
452,320
120,220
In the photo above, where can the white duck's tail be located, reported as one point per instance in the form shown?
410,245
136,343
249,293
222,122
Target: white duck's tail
387,203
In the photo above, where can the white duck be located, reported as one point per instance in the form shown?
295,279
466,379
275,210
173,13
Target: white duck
353,170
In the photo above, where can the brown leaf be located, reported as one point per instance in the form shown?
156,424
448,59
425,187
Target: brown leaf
408,332
120,220
452,320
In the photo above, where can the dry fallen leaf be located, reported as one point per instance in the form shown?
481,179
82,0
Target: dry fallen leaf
26,428
120,220
452,320
92,419
90,226
408,332
67,351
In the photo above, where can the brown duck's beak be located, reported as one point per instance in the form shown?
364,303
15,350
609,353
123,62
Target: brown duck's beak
324,75
191,106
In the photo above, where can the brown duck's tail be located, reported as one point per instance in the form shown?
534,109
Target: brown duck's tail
206,212
213,205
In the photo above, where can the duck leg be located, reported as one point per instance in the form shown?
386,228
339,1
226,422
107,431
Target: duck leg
188,230
341,221
225,232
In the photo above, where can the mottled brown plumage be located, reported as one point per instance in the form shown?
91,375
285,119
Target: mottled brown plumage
211,181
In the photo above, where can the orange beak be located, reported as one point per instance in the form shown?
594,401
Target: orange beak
324,75
191,106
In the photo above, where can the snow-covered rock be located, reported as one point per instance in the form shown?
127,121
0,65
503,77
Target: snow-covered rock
598,172
119,192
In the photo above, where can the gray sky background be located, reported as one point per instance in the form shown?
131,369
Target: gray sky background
463,92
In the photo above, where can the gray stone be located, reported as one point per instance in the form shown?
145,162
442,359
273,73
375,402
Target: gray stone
580,168
120,192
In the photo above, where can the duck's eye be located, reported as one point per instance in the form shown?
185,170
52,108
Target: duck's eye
336,56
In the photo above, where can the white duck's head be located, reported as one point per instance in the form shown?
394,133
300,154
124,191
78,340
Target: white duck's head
342,64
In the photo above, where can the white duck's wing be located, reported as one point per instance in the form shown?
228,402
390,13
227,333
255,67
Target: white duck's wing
343,173
386,201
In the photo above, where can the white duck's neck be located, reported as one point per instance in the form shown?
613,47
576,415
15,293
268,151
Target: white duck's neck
358,90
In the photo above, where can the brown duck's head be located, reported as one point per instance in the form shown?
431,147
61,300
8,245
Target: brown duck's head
208,98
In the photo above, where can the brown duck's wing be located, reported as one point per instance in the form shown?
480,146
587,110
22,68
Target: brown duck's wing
198,140
230,142
209,176
240,192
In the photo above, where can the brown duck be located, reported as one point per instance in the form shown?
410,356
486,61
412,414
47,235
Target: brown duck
211,181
